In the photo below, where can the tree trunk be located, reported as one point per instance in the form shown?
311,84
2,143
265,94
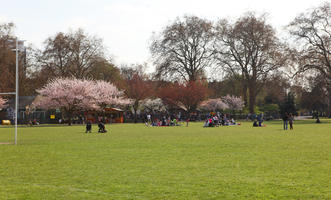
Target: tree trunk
252,98
135,115
192,77
135,108
69,118
329,106
245,94
192,108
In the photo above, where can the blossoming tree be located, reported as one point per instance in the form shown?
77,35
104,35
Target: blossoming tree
108,95
72,95
153,105
234,103
213,105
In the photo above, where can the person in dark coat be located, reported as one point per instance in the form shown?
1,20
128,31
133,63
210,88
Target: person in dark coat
102,128
285,120
88,126
290,121
260,119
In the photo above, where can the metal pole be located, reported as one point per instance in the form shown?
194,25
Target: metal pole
16,95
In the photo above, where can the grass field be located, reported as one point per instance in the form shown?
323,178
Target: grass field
139,162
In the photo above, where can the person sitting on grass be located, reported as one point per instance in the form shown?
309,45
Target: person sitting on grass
260,119
225,121
233,122
154,123
222,121
215,119
88,126
255,123
35,122
174,122
102,128
208,123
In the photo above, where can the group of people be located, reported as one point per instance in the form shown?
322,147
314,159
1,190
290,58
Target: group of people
219,120
164,121
288,119
258,121
33,122
101,126
212,120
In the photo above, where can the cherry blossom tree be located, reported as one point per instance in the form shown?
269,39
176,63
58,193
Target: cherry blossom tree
2,103
108,95
72,95
67,94
213,105
234,103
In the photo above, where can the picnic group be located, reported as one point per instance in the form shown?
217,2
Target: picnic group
219,119
165,120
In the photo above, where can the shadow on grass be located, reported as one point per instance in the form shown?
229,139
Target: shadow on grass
307,121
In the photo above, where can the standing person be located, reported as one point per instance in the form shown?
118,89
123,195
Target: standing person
290,120
88,126
285,120
187,121
179,117
149,119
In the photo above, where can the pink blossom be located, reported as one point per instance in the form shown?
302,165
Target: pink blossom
213,105
233,102
73,94
153,105
108,95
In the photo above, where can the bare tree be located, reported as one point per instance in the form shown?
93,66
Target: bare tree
8,61
249,49
186,96
183,49
7,57
313,31
137,86
105,70
71,54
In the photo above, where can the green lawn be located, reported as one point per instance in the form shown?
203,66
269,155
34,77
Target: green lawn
139,162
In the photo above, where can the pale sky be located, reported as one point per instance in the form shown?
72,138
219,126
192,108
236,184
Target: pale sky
126,26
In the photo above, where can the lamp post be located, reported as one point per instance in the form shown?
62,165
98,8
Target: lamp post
16,92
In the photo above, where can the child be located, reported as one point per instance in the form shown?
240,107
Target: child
88,126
